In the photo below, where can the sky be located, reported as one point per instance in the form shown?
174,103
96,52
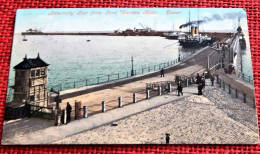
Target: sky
110,19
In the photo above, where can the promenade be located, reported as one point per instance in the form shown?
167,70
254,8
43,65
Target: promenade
189,66
212,118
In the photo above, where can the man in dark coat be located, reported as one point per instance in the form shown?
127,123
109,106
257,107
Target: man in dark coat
162,72
179,88
198,78
68,109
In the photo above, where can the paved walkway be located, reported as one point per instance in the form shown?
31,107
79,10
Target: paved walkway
234,122
54,133
212,118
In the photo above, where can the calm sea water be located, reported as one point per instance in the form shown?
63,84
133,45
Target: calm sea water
73,58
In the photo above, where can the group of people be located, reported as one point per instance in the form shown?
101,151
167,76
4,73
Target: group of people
200,80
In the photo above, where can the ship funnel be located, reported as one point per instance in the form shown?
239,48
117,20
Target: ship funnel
192,31
196,30
180,30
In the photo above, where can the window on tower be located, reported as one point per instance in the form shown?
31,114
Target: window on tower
32,98
43,71
32,73
38,72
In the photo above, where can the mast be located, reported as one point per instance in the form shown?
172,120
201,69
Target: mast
198,19
189,21
173,26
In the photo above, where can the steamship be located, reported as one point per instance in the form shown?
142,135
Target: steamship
195,39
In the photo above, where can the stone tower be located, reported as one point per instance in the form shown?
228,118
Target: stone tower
31,82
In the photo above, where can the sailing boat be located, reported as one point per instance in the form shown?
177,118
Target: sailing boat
24,39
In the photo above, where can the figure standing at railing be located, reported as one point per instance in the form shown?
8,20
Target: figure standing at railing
68,108
162,72
179,88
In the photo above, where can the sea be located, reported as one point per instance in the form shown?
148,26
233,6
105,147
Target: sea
81,60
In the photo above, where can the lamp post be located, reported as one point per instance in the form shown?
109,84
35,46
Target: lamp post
132,61
179,55
58,101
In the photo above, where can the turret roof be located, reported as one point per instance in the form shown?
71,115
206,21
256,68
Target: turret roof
31,63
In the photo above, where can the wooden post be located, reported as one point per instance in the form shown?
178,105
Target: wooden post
119,101
187,82
78,110
103,106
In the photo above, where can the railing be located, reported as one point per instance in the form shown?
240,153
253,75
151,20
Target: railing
146,93
236,93
102,79
116,76
248,78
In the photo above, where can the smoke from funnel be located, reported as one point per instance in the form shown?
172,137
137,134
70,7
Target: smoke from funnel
217,17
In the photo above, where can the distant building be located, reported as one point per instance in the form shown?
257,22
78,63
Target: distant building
31,82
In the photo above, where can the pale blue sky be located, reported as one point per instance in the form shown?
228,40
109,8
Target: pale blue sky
48,20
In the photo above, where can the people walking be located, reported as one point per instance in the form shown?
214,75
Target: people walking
68,109
162,72
179,88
